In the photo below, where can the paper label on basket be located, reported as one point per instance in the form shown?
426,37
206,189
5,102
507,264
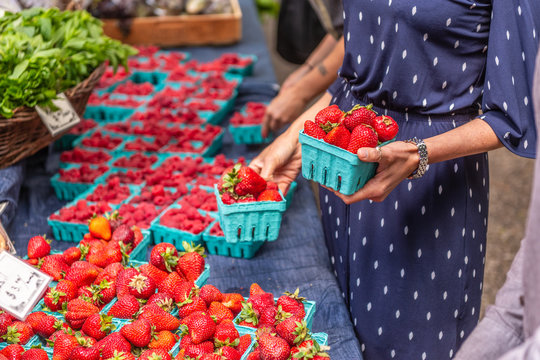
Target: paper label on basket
60,120
21,285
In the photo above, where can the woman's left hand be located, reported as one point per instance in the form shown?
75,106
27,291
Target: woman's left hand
396,160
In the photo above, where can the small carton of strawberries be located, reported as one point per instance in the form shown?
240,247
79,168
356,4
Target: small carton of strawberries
250,208
331,142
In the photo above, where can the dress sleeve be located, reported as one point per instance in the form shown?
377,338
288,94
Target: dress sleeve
512,47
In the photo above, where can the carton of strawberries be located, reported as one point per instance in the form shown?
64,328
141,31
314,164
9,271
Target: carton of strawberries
330,144
250,208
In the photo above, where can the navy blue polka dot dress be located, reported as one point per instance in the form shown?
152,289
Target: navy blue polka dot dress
411,267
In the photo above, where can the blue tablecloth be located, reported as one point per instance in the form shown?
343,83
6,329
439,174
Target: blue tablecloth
298,258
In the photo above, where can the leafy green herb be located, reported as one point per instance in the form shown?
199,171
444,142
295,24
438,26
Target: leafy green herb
44,52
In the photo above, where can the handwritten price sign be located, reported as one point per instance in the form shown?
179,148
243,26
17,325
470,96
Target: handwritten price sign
21,285
60,120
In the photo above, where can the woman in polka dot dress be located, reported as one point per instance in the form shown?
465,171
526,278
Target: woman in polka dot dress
410,263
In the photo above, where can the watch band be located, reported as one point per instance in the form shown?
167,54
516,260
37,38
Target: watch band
423,163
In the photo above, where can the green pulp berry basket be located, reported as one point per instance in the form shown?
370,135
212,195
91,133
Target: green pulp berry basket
217,245
255,221
248,134
334,167
309,308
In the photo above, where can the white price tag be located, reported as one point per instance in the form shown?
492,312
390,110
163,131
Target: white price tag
60,120
21,285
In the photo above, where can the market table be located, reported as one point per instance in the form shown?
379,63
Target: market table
299,257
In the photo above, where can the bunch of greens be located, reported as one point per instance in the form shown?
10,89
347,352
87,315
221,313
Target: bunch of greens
44,52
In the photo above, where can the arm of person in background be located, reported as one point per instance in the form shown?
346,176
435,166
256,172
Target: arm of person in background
306,83
501,329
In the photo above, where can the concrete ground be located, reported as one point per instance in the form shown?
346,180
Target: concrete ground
510,186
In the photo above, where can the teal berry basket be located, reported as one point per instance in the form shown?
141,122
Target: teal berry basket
248,134
321,338
290,193
174,236
334,167
214,117
106,114
309,308
217,245
255,221
70,190
153,77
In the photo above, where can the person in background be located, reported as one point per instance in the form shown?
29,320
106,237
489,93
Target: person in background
314,76
510,329
408,249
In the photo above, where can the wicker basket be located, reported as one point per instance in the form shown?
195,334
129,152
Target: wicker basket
24,134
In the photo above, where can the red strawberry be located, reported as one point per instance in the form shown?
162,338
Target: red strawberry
255,355
138,333
107,290
171,282
100,227
273,347
242,181
85,353
212,356
82,273
113,342
219,312
248,316
35,354
111,271
225,334
270,195
293,330
13,352
163,340
292,303
362,136
359,115
63,346
5,321
163,300
155,354
18,332
267,317
55,297
98,326
261,301
338,136
210,293
38,247
255,289
122,281
192,304
244,343
34,318
142,287
48,325
71,255
233,301
184,290
153,272
55,266
230,353
164,256
124,234
159,318
78,311
227,198
330,114
201,327
191,261
120,355
196,350
313,130
386,127
125,308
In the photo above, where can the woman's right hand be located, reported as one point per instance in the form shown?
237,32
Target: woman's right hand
280,161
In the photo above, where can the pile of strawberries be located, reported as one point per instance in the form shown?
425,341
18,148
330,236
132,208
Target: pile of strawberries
78,155
352,130
254,114
133,88
241,184
83,174
81,212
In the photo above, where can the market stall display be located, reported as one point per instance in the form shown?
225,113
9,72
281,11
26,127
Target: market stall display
246,125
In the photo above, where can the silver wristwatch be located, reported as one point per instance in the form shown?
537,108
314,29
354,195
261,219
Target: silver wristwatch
422,151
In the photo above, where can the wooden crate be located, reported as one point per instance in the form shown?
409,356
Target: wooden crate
169,31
